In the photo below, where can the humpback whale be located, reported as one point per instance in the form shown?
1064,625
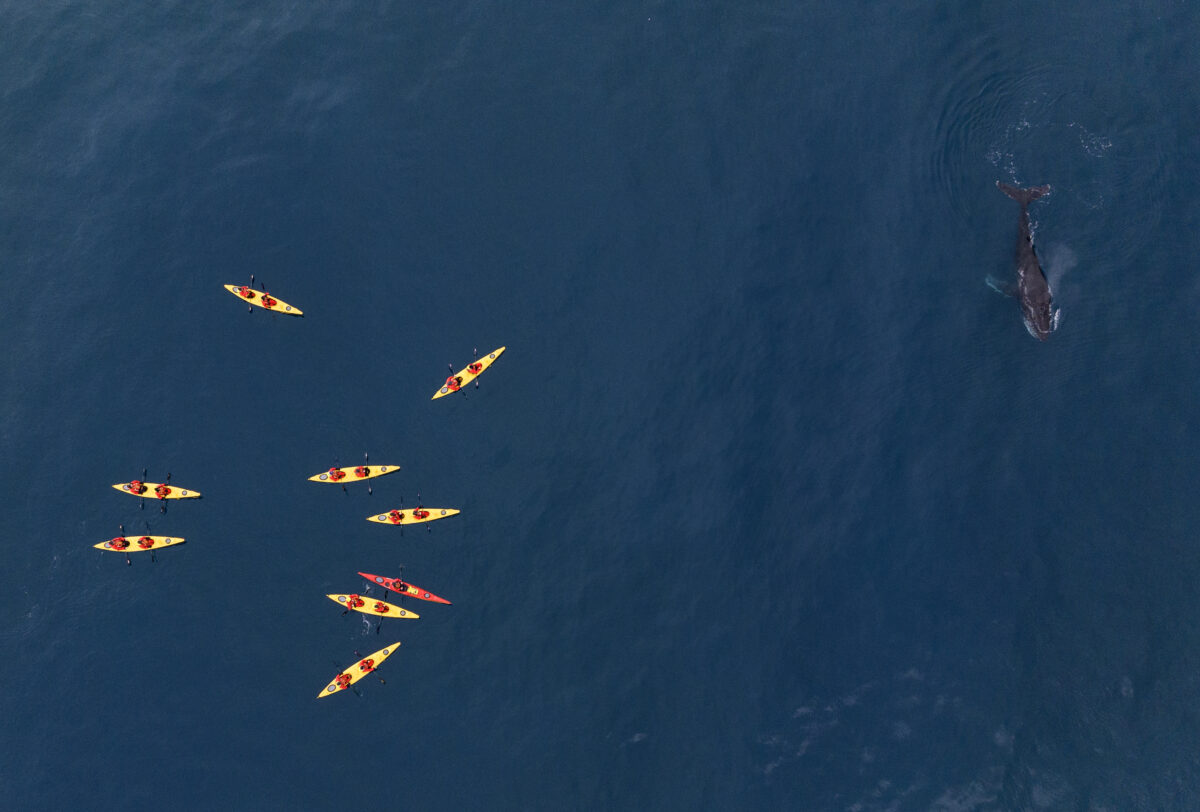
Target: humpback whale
1032,289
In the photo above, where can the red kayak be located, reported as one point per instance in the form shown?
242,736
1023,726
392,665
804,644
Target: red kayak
401,588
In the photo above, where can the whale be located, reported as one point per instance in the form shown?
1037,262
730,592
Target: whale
1032,290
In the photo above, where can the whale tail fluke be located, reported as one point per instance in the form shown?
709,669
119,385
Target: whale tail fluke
1023,196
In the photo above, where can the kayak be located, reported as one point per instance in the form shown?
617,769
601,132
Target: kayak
359,670
417,516
150,491
400,587
353,473
467,374
368,607
137,544
262,299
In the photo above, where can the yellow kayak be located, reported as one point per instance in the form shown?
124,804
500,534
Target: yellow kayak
150,490
136,544
262,299
359,670
468,373
353,473
372,606
415,516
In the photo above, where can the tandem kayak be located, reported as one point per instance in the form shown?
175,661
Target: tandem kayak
370,606
260,298
360,669
136,544
467,374
150,490
353,473
415,516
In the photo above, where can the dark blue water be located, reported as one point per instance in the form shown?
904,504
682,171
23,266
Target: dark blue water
771,504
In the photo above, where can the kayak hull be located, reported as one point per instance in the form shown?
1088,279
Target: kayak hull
368,607
158,542
174,493
255,298
407,517
356,672
351,476
465,375
402,588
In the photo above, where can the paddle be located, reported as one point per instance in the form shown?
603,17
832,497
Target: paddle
145,472
365,458
475,352
128,563
428,525
250,307
162,500
337,464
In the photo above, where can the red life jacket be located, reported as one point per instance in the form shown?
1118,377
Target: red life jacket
343,680
380,606
354,601
162,491
267,301
145,542
421,514
362,471
336,473
137,487
475,368
396,517
452,383
245,291
119,543
367,665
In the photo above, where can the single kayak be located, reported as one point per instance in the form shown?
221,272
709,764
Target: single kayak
360,669
467,374
401,588
260,298
369,606
353,473
135,544
415,516
156,490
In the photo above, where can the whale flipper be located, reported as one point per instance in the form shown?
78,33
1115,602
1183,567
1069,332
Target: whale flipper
1001,287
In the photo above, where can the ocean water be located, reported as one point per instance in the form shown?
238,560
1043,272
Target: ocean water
771,503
